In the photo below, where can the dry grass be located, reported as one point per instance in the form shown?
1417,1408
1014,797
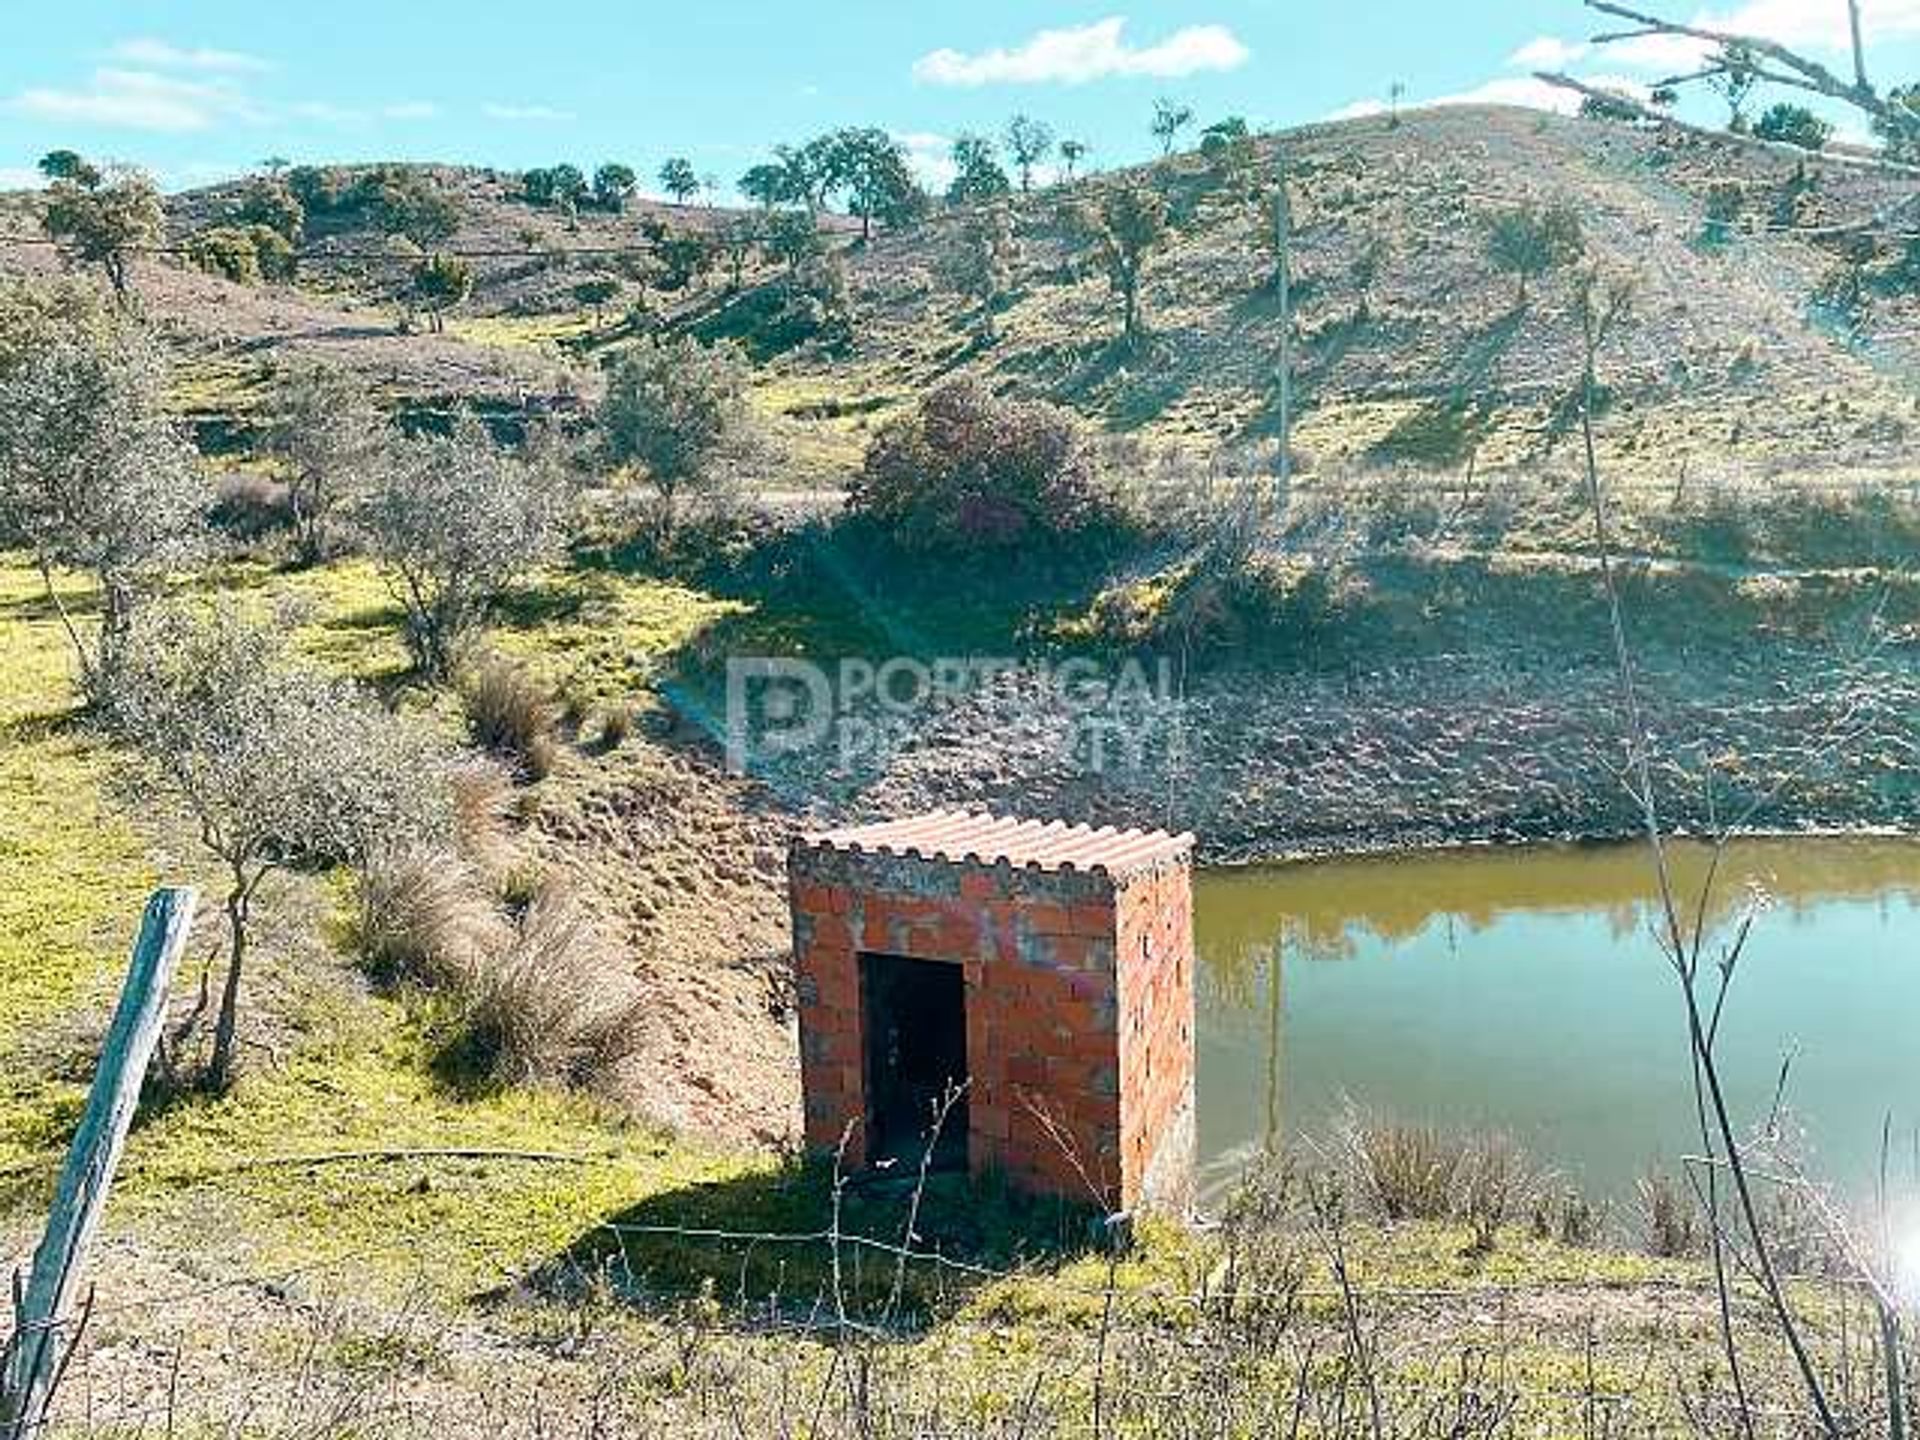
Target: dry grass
553,1004
510,715
1399,1172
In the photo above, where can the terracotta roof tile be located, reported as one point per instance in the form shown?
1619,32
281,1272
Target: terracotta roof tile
978,837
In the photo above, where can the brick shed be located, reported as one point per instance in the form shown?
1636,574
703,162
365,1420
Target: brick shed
1050,965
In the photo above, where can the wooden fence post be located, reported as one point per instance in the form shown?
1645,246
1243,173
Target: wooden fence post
33,1357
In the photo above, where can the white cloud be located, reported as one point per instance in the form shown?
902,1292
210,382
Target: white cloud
1075,55
138,100
409,110
1359,110
541,113
164,56
1548,52
931,157
1522,90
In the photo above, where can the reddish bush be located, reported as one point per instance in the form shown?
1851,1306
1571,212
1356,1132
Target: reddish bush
972,470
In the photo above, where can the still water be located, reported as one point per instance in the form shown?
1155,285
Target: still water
1520,990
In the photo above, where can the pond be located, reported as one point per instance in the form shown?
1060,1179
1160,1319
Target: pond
1521,991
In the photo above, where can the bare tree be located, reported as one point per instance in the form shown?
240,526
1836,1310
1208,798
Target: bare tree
278,764
93,475
331,437
454,522
1705,963
1765,61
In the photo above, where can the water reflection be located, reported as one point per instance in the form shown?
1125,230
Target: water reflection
1521,989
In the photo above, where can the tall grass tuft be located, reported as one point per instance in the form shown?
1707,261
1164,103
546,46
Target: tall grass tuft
550,1005
510,715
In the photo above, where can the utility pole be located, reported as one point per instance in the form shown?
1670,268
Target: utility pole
1283,254
1859,49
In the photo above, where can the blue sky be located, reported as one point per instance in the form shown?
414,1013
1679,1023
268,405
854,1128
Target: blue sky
199,89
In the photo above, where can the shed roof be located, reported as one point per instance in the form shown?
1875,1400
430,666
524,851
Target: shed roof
978,837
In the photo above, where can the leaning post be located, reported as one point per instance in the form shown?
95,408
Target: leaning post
34,1357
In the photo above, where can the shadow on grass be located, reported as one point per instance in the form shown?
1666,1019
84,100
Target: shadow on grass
761,1243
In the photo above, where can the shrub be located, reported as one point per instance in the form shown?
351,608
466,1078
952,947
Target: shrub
1669,1226
454,525
249,505
510,715
973,471
1400,1172
1794,125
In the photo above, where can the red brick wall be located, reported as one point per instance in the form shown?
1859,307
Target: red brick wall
1079,1008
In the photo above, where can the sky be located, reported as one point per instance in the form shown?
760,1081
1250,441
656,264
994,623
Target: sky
199,90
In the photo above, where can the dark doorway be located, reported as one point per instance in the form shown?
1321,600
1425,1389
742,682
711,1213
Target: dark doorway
916,1035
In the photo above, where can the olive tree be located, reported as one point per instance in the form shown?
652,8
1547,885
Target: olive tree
1126,227
101,216
454,522
980,267
331,437
677,409
278,764
678,180
94,477
1029,141
440,282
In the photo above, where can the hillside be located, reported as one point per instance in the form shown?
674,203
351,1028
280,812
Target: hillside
1410,352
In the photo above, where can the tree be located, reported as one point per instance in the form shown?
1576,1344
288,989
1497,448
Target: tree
1126,226
279,764
801,174
94,476
977,173
739,238
596,293
408,202
440,282
677,409
1794,125
1734,77
613,186
102,217
981,266
792,236
1228,147
873,168
1029,141
453,523
244,254
536,186
1607,105
569,186
678,180
333,440
1072,152
1528,241
970,470
272,203
769,186
68,165
1169,120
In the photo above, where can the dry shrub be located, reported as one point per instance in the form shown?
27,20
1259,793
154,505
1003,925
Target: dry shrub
553,1004
616,724
1669,1225
1400,1172
509,714
1497,1183
1420,1172
248,505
